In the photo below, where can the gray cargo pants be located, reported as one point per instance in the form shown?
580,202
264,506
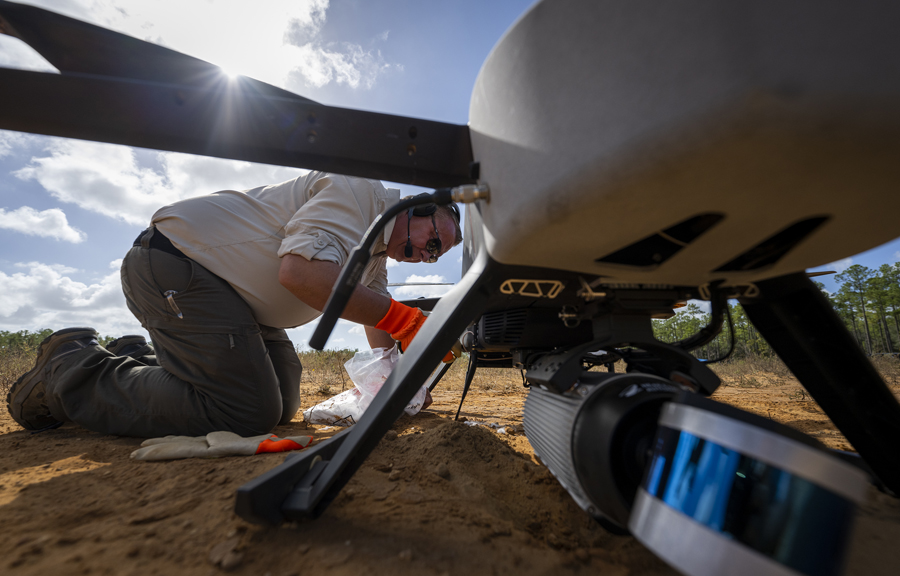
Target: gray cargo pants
215,367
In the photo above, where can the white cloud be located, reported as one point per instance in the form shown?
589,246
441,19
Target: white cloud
318,64
358,330
277,41
51,223
897,255
350,64
841,265
305,25
422,291
425,278
391,263
109,180
11,140
44,296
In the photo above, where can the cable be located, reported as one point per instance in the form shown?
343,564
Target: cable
731,337
359,256
708,333
355,266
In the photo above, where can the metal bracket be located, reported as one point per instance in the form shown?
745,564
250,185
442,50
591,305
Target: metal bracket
532,288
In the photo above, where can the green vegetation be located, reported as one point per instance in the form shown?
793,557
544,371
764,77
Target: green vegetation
17,350
23,339
689,320
326,369
868,301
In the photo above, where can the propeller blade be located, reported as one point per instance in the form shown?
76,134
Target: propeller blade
117,89
76,47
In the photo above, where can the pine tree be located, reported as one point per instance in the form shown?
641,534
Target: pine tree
854,279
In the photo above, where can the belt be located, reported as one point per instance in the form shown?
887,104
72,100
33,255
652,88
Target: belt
159,242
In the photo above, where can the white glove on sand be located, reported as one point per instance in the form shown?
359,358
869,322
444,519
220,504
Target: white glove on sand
216,444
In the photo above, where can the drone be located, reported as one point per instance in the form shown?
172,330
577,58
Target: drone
620,158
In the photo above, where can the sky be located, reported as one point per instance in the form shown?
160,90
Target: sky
70,209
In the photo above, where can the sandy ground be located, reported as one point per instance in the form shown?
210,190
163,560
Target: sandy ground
436,497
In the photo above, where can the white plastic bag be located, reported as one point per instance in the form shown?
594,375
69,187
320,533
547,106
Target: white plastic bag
368,369
340,410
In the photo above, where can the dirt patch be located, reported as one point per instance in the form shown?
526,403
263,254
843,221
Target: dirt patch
435,497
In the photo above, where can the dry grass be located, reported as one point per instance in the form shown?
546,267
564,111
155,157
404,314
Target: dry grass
13,363
761,372
753,372
324,373
495,380
889,368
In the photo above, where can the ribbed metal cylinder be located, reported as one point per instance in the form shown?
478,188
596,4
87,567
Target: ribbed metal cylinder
549,419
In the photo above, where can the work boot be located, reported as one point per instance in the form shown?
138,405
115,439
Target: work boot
132,345
25,401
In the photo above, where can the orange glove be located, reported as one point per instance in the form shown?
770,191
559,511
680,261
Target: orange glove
402,322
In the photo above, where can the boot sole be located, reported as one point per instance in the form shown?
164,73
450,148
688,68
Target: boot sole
22,389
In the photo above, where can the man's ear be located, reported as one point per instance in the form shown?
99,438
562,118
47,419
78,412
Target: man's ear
399,231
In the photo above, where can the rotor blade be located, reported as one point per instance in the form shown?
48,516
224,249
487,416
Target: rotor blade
76,47
814,274
118,89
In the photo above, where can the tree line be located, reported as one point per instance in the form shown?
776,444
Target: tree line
23,339
867,300
26,341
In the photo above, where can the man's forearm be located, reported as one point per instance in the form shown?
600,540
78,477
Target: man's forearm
311,282
378,338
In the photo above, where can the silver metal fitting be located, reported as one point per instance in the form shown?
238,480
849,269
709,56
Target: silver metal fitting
468,193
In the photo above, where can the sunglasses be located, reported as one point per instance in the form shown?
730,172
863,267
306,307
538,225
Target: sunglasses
433,246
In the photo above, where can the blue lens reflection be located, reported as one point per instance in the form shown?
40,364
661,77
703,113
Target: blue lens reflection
774,512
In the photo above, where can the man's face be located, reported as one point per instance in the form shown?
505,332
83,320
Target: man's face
421,231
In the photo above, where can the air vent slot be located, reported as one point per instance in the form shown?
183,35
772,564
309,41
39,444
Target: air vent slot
503,328
659,247
772,249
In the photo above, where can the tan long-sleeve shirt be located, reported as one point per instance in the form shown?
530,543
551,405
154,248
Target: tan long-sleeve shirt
241,236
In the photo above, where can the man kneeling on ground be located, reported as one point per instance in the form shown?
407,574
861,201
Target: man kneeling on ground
215,280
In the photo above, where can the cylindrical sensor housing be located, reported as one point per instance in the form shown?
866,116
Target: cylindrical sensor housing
729,492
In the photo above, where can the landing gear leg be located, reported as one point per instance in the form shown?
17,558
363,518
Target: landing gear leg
800,325
305,484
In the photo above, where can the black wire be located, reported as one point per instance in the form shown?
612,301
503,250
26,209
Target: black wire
356,263
730,334
709,332
470,374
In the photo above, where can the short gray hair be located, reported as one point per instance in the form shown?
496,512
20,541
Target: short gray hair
448,213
